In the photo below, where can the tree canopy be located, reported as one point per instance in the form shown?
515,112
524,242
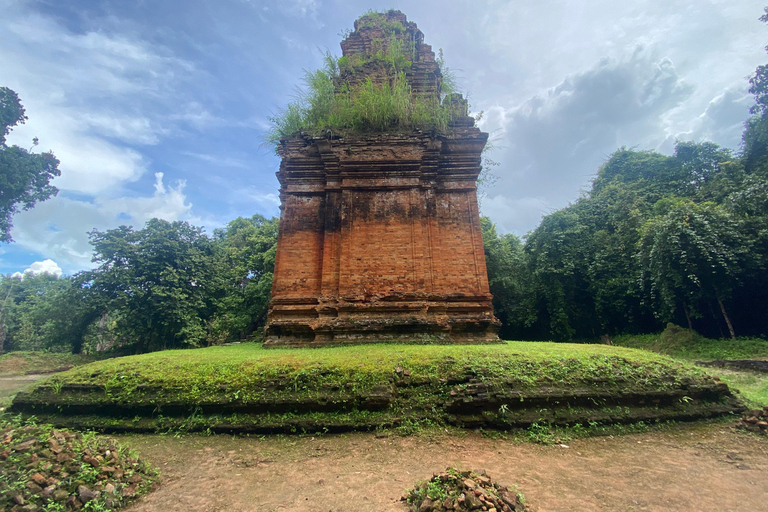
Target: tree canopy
24,176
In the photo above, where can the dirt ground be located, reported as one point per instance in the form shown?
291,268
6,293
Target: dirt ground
690,468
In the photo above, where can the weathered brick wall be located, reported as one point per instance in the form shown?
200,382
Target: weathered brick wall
380,235
380,241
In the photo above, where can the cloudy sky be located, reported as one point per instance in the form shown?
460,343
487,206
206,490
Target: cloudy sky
158,108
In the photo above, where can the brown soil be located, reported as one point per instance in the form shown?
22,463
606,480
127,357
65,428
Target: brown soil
691,468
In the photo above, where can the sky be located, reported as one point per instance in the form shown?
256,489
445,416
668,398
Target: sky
159,108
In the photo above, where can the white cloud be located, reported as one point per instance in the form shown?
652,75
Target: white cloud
555,141
44,267
58,227
90,96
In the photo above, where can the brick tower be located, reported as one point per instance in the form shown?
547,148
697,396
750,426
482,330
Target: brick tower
380,235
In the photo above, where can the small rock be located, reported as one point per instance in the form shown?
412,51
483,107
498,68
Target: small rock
26,445
473,502
48,491
93,461
38,479
18,499
130,491
84,494
60,495
109,488
33,487
426,505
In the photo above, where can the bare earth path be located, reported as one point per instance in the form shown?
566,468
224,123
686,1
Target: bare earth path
692,468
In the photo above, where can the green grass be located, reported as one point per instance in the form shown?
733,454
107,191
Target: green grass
246,367
689,346
696,348
409,387
24,362
751,386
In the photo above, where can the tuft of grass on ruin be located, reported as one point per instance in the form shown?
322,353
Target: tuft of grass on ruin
328,104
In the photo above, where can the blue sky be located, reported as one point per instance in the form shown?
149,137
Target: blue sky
158,108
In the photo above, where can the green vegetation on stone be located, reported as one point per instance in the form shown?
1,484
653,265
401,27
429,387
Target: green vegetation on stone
247,388
329,104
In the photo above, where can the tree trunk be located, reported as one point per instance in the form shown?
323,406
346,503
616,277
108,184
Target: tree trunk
714,317
727,320
688,317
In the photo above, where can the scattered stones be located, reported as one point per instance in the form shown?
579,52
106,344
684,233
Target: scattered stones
755,420
455,490
42,466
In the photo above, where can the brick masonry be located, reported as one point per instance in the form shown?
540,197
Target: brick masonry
380,235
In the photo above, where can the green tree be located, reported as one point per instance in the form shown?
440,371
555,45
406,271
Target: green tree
558,252
27,312
24,176
508,280
755,137
690,253
246,252
161,282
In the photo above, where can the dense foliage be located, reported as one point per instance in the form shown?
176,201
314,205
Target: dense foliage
24,176
681,238
167,285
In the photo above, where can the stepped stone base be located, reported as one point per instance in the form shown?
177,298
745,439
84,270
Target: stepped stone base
394,319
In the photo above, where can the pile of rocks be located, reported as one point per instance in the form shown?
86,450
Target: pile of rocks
463,491
42,467
755,420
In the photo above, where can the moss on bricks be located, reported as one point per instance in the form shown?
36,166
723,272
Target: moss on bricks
245,388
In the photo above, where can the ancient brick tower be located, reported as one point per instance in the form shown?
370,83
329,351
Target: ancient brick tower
380,235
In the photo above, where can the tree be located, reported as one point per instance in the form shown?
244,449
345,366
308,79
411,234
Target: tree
246,256
161,283
690,253
508,280
24,176
28,312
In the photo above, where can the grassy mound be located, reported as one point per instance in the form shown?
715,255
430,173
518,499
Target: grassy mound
246,388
